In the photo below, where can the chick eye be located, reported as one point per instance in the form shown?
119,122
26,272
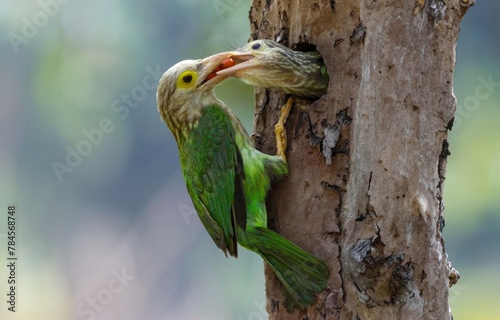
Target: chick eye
256,46
187,79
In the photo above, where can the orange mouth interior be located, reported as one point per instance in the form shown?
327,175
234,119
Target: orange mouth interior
226,63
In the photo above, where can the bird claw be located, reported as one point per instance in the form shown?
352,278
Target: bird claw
280,131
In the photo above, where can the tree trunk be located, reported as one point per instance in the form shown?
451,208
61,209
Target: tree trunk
367,160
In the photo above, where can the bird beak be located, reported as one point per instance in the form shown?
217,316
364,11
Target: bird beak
243,62
209,76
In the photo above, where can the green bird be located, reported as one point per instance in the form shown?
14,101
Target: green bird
269,64
228,179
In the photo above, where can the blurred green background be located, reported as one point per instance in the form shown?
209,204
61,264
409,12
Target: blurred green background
106,228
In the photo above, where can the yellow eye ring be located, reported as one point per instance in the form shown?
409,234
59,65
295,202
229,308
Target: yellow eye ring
187,79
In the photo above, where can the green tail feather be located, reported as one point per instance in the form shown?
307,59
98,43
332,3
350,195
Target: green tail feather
302,275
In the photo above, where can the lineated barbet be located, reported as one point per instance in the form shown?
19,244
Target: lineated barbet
269,64
228,179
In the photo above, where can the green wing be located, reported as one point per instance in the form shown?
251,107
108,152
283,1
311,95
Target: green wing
213,170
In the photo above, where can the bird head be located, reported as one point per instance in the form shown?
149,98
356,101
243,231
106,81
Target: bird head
269,64
185,88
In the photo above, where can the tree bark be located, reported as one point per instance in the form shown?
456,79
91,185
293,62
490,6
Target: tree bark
367,160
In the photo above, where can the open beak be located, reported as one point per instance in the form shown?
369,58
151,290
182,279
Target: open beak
220,66
208,76
242,62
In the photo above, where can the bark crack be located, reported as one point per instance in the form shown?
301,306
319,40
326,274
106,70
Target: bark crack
445,152
370,180
304,117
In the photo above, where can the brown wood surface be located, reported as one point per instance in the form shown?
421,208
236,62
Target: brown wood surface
367,160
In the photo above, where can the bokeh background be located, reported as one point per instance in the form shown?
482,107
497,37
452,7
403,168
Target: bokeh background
106,229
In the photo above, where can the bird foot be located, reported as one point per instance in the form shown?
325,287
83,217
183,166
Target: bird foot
280,131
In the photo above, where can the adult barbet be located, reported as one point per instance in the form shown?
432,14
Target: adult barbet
228,179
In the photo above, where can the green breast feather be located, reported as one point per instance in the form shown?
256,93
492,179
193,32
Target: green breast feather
213,170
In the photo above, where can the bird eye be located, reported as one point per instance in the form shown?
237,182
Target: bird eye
187,79
256,46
